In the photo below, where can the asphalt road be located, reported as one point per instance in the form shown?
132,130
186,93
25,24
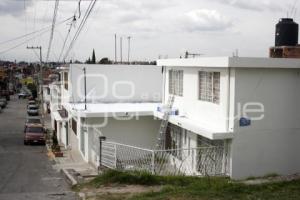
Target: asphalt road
25,171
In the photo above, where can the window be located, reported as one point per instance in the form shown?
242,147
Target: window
174,140
35,130
205,157
209,86
74,126
185,136
176,82
66,80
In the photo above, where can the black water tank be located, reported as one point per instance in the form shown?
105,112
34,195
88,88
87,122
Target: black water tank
286,32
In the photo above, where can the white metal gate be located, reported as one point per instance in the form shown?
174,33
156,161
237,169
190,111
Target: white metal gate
202,161
108,155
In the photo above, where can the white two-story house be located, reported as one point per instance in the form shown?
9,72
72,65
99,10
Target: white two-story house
250,106
115,101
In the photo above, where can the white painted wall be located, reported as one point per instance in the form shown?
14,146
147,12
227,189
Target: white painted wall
46,96
270,145
74,140
189,105
141,133
115,83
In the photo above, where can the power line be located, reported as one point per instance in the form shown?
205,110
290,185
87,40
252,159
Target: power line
16,46
83,22
66,38
52,29
79,9
32,38
32,33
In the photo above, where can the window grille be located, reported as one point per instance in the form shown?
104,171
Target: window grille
209,86
176,82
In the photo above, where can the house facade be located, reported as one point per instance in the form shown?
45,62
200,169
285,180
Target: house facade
115,101
249,106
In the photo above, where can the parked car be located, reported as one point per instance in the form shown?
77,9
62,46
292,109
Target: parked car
34,134
33,121
3,102
31,98
23,95
32,102
32,110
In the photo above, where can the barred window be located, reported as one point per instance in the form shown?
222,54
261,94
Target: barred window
176,82
209,86
174,140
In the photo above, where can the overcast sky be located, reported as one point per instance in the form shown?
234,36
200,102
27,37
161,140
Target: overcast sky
157,27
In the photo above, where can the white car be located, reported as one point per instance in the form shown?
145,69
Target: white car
32,110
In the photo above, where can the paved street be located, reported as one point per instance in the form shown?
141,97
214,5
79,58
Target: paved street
25,171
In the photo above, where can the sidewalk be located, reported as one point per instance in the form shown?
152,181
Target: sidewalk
71,164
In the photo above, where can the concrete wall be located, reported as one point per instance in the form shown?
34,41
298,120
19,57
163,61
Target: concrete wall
115,83
73,138
141,133
270,145
189,105
55,98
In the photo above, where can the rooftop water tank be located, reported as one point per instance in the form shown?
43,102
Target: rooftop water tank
286,32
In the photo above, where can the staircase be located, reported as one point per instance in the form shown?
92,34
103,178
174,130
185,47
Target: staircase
164,124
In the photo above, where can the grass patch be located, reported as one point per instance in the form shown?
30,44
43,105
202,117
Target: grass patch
181,188
139,178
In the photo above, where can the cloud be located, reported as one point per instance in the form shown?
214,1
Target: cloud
130,17
14,8
140,5
205,20
256,5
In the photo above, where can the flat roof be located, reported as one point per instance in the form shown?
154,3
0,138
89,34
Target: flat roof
197,127
232,62
114,109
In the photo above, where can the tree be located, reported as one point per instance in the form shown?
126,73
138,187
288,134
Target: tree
93,61
32,87
88,61
105,61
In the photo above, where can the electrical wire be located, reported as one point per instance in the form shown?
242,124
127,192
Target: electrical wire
14,47
32,38
52,28
66,39
83,22
79,9
32,33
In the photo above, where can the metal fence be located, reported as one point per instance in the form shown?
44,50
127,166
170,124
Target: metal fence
202,161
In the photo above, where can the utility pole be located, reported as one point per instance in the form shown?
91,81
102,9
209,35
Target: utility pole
84,72
115,48
128,49
121,49
41,82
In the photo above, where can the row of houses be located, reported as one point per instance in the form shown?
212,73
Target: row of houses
230,115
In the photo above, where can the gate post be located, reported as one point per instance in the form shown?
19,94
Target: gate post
101,139
153,162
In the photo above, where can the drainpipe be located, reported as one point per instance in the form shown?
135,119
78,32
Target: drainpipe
228,100
226,152
164,71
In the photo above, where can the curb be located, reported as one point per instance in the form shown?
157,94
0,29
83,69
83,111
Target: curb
70,179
